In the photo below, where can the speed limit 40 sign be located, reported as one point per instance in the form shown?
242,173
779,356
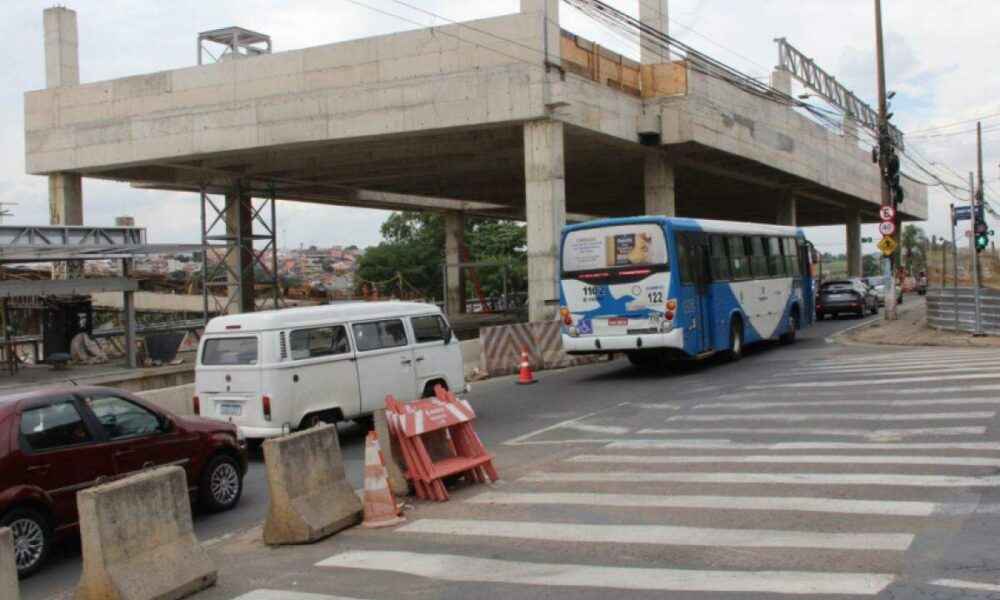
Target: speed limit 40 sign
887,213
887,228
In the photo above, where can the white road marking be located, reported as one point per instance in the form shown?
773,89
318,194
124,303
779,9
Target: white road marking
594,428
873,382
828,459
521,438
661,535
767,503
889,366
895,403
730,445
287,595
823,431
841,416
888,479
451,567
908,392
967,585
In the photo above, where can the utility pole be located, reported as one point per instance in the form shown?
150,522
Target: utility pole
977,328
885,157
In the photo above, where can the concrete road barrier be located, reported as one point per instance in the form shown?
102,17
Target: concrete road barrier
8,566
310,496
395,463
138,541
175,399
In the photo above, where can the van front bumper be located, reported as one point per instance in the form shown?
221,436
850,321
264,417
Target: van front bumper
594,344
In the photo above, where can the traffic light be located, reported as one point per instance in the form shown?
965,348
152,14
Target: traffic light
892,175
982,235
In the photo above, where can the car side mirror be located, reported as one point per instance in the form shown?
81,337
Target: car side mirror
166,424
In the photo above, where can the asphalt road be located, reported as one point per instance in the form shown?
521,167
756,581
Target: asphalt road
672,439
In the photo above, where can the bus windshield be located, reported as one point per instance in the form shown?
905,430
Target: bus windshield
617,251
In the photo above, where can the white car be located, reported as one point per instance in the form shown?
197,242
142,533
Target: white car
275,371
877,284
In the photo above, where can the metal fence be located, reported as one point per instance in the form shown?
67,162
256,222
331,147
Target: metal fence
943,312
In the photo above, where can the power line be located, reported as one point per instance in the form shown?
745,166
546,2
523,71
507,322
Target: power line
952,133
972,120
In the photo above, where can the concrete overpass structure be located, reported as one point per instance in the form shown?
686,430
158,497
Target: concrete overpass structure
506,117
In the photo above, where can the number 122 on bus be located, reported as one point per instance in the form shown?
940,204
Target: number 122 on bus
657,287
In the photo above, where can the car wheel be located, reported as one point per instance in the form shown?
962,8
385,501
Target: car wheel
735,340
32,539
221,483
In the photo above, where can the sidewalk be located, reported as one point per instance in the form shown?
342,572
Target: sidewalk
911,329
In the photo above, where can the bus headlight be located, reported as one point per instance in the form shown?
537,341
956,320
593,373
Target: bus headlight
666,325
573,332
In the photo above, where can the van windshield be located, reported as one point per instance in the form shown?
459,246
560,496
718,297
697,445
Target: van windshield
230,351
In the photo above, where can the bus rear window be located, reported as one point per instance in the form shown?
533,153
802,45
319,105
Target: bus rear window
230,351
618,248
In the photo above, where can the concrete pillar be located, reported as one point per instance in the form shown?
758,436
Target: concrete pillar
545,209
785,214
853,242
654,14
239,234
454,237
781,80
552,30
62,68
658,184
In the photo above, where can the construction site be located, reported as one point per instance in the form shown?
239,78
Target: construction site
509,117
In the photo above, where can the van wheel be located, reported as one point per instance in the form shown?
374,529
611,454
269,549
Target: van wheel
32,539
429,387
221,483
793,326
735,351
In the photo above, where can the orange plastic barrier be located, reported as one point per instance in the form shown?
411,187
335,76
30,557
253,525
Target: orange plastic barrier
446,415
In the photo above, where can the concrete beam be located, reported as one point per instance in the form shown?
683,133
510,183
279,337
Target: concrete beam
550,8
854,243
454,237
658,185
545,210
654,14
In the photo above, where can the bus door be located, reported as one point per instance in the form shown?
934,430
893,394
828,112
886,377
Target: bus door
698,259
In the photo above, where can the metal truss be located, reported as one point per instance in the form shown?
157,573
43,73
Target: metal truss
825,85
70,235
233,268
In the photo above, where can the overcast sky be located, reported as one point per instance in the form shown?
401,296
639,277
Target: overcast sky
942,59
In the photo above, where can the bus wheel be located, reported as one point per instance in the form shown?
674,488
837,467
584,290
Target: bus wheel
735,340
642,360
793,325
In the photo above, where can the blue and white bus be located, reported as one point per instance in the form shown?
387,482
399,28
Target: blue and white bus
656,287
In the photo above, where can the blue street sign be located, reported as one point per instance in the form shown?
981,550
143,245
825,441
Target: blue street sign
963,213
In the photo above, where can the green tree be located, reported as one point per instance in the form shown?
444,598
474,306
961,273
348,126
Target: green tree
414,245
915,243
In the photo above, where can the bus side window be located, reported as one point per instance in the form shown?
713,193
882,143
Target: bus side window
684,260
791,257
739,266
758,260
720,262
775,261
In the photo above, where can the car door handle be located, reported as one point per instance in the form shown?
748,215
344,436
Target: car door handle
39,468
124,451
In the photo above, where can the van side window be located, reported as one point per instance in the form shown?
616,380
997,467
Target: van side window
380,334
431,328
54,426
319,341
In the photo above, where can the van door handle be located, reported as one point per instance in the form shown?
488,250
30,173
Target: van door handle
420,358
404,361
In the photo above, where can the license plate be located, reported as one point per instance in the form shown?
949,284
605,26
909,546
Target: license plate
617,322
230,410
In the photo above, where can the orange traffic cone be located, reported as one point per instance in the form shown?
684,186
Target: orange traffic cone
525,376
380,505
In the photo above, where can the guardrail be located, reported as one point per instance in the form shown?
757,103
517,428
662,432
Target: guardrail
943,312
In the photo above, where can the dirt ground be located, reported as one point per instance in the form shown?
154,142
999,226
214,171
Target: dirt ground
911,329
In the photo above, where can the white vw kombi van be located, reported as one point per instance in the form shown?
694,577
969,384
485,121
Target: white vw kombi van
274,371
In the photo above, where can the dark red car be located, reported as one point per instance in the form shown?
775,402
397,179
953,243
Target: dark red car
54,443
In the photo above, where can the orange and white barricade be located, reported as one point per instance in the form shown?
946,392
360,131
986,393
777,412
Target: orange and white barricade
444,414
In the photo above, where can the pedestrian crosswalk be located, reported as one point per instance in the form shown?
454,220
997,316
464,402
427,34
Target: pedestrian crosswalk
765,489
